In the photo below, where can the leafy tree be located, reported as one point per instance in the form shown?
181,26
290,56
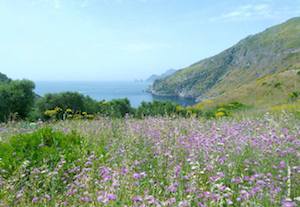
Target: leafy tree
121,107
116,108
16,99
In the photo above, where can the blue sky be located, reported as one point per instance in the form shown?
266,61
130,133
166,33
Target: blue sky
124,39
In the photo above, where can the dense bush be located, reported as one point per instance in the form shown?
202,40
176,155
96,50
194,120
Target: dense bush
76,106
41,147
16,99
67,100
217,111
190,111
156,108
227,109
116,108
119,108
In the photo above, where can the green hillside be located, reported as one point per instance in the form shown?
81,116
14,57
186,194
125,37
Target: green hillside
234,72
273,89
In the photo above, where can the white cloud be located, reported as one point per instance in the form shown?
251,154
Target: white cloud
247,11
266,10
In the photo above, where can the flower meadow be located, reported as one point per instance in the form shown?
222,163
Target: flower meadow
152,162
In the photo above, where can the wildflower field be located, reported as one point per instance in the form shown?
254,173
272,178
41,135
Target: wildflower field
152,162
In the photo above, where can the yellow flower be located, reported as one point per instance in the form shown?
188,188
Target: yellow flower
57,109
69,111
179,108
220,114
221,109
50,113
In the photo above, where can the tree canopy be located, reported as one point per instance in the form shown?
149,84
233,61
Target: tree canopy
16,99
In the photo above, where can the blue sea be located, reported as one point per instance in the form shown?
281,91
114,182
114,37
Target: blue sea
134,91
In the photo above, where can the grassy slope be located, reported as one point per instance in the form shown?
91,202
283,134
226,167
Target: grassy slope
273,51
269,90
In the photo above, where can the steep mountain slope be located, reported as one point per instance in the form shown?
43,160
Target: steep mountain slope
273,51
155,77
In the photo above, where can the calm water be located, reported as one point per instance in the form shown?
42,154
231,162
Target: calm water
134,91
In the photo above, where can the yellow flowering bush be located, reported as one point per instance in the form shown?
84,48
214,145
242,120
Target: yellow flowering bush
220,114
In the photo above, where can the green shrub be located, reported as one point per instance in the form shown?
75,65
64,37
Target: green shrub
277,85
157,108
116,108
225,110
209,114
44,146
294,95
233,106
67,100
120,107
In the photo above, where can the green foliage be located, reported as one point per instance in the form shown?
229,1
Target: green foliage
156,108
54,114
117,108
59,114
120,107
277,85
67,100
38,162
223,110
294,95
233,106
44,146
190,111
218,111
16,99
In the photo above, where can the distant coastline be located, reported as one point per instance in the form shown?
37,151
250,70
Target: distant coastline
136,92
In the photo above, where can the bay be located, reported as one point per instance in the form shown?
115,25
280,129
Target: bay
107,90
